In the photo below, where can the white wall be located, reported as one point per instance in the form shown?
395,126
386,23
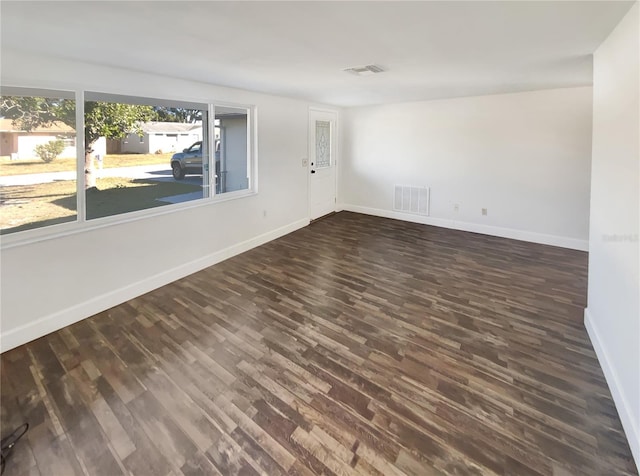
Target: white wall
49,284
27,146
152,143
173,144
613,312
525,157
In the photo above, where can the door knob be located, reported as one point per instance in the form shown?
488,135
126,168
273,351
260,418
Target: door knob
313,171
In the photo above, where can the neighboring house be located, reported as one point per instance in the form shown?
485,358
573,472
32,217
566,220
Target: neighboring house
157,137
20,144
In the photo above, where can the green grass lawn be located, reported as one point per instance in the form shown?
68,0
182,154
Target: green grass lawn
37,166
33,206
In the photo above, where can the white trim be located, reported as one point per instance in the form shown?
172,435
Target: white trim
622,405
322,109
65,317
51,93
91,94
252,149
335,151
209,188
253,110
81,198
522,235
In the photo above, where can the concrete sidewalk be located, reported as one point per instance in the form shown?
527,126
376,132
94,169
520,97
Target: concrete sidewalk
157,172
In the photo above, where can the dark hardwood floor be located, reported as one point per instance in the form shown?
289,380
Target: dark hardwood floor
357,345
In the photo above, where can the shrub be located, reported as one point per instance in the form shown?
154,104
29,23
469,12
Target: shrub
49,151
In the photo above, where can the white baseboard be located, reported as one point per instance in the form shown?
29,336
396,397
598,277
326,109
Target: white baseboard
58,320
629,424
541,238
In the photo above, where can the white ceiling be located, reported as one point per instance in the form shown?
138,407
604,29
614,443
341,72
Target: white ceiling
430,49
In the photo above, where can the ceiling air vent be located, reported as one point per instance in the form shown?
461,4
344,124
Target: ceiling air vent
365,70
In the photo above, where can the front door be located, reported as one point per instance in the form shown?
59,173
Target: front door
322,163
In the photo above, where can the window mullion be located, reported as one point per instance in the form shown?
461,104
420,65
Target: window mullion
211,138
250,155
80,177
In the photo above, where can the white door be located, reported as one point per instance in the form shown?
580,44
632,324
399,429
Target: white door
322,163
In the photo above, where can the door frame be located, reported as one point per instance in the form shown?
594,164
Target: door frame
336,161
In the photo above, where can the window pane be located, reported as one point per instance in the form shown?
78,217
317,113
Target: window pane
323,144
232,161
37,160
144,154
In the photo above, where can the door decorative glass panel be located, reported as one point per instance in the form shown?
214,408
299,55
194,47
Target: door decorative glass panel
323,144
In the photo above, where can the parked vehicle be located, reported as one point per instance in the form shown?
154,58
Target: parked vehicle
189,161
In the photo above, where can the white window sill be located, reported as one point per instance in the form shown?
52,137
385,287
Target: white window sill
50,232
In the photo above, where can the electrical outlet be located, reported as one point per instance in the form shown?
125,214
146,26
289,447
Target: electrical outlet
456,207
484,211
305,162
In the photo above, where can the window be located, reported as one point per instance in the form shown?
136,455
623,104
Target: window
139,154
323,144
37,167
232,149
145,175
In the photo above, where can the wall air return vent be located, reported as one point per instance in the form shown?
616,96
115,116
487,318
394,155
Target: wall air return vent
411,199
366,70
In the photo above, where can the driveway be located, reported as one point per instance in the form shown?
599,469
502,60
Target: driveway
160,172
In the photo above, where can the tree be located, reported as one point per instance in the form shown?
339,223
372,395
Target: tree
49,151
177,114
101,119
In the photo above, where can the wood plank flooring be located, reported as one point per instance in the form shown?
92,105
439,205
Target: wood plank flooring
357,345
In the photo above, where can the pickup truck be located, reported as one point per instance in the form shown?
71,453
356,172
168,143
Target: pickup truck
189,161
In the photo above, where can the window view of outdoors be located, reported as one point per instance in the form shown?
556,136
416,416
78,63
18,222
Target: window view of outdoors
139,154
231,132
37,161
142,156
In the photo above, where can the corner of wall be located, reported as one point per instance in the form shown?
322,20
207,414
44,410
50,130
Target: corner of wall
623,407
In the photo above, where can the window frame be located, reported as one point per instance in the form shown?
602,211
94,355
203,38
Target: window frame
81,224
252,151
